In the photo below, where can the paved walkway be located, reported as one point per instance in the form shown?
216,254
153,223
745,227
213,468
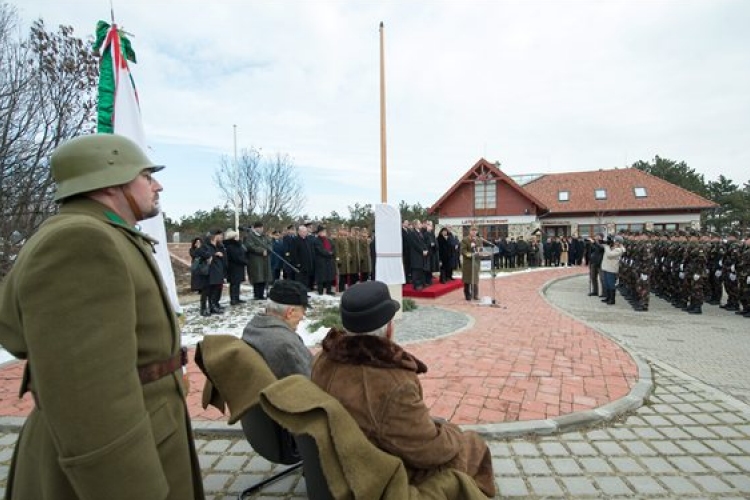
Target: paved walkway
689,441
713,347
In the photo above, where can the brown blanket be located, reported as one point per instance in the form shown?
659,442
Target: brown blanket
235,374
348,459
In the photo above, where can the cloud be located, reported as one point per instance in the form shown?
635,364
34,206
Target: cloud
539,86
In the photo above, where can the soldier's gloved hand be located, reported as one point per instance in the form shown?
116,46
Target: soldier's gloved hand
717,274
732,268
732,276
682,275
644,277
747,281
696,277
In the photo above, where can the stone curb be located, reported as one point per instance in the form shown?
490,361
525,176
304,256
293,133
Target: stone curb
505,430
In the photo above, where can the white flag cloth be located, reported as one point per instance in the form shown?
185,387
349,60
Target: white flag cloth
127,121
389,265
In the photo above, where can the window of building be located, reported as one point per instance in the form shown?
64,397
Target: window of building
563,195
485,195
640,192
590,231
666,227
600,194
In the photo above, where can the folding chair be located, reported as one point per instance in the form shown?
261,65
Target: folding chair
266,437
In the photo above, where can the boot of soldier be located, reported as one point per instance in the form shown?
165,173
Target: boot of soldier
696,310
606,296
467,291
612,295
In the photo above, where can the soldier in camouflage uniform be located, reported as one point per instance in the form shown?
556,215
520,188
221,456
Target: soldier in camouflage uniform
715,255
645,271
695,263
729,272
743,278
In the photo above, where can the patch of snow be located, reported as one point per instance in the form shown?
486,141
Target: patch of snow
234,319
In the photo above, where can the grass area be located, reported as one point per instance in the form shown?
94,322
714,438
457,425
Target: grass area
330,316
408,305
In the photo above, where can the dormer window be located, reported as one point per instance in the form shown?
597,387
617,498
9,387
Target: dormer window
600,194
640,192
563,195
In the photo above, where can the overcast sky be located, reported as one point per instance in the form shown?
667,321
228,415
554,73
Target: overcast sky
539,86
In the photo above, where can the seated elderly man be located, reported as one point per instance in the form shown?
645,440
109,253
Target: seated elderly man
273,332
376,381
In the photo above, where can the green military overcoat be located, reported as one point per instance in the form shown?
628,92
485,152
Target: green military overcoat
85,305
258,265
470,261
343,255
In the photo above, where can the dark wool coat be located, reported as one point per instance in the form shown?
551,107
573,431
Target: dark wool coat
85,305
325,261
596,254
416,245
376,380
196,281
456,250
217,270
236,261
431,242
405,248
445,251
288,245
556,249
302,255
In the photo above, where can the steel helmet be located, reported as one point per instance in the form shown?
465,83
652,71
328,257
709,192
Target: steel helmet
92,162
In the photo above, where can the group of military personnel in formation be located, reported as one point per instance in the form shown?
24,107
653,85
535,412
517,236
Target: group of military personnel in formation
688,269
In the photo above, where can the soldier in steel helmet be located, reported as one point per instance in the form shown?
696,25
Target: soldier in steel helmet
86,307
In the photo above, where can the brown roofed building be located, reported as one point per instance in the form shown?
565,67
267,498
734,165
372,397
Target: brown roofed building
486,197
570,203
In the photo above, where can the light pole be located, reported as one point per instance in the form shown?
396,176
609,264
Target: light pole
236,184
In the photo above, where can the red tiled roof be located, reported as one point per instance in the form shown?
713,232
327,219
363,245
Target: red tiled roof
619,185
480,167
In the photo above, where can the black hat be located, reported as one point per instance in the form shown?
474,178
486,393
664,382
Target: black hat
257,224
289,292
367,306
217,231
320,228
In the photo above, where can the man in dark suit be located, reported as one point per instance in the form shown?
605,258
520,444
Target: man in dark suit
303,258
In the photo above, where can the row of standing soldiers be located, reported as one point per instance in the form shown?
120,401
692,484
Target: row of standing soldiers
687,269
343,259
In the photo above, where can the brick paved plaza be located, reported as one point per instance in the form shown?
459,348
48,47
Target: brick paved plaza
530,362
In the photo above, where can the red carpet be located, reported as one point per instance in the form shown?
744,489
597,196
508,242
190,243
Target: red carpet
433,291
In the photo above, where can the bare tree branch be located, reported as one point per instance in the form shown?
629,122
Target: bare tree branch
47,95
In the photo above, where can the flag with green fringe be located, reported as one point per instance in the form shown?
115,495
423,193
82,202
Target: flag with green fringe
119,112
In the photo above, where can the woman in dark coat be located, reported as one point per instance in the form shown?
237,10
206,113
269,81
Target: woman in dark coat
237,263
445,254
325,261
195,278
212,251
